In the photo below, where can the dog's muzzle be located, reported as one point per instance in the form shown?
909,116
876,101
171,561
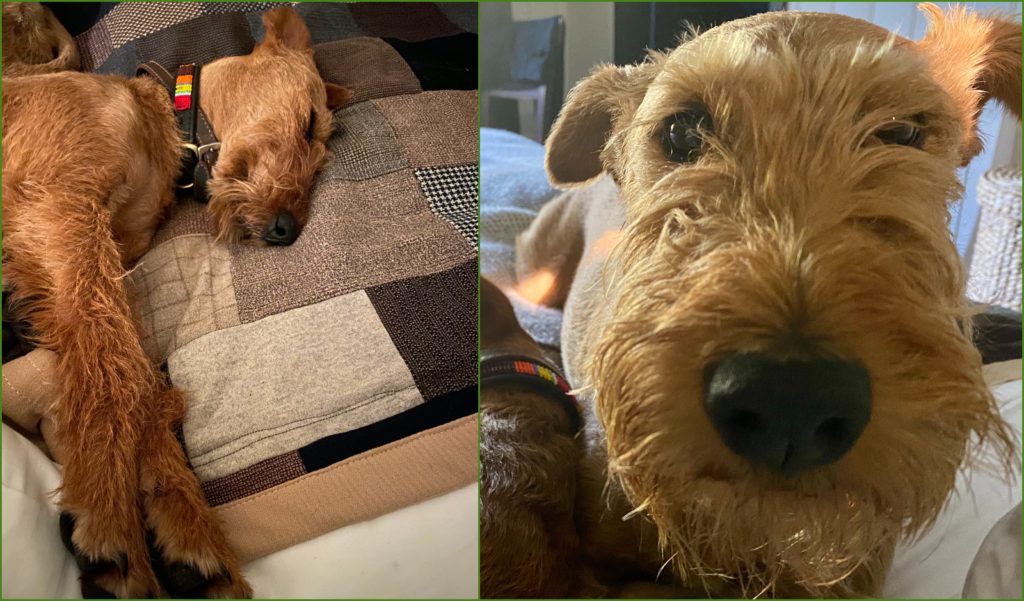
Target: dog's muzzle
788,416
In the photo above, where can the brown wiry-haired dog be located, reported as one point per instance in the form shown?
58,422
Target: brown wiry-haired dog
775,355
89,169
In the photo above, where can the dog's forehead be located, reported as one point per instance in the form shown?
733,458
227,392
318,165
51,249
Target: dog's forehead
800,31
779,56
811,38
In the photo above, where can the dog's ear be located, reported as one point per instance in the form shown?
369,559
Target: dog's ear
337,95
975,58
284,27
588,119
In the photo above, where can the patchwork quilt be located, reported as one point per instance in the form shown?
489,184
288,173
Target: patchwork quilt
335,379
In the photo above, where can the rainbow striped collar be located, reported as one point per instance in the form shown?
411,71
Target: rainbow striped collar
531,371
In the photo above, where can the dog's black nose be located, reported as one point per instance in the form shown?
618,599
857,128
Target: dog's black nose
282,231
788,416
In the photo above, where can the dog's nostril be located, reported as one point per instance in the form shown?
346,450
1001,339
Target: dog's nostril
745,421
788,416
283,230
832,431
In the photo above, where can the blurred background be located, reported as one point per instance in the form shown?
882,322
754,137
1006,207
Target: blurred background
539,50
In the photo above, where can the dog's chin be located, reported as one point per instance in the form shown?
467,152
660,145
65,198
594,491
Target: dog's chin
730,535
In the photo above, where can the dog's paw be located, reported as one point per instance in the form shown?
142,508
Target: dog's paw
188,551
195,578
109,569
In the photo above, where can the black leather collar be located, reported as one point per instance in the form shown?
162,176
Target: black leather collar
536,374
200,147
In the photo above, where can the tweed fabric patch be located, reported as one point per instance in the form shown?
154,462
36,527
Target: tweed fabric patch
381,72
363,145
434,128
359,234
454,195
433,322
238,7
180,291
133,20
94,45
198,41
251,480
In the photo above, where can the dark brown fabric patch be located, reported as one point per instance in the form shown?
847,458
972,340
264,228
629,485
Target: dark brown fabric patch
368,66
433,322
409,21
253,479
359,234
187,217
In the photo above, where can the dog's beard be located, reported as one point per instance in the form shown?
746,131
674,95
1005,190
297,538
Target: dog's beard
732,528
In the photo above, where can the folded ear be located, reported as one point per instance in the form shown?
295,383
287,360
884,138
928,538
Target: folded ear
284,27
975,58
337,95
593,108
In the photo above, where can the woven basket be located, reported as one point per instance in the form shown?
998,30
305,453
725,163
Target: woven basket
995,270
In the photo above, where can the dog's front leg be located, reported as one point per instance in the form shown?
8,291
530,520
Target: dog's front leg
528,463
193,559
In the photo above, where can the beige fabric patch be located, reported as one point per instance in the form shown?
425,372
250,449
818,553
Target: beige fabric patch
435,128
404,472
259,390
182,290
1002,372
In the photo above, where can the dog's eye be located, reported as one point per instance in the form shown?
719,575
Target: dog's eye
682,134
312,125
902,133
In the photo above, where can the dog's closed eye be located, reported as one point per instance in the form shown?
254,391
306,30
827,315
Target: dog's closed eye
311,128
902,133
682,134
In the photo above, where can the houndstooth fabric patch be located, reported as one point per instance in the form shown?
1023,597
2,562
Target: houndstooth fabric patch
454,195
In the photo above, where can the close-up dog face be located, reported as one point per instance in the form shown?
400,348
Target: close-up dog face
787,379
272,113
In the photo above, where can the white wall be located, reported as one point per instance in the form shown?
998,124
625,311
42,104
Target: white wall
589,32
999,130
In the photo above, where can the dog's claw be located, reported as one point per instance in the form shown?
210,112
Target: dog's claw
91,590
88,566
183,580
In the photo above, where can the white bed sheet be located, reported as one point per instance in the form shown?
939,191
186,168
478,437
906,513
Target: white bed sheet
425,550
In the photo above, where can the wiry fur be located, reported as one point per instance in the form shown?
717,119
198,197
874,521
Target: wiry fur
34,41
796,233
89,166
